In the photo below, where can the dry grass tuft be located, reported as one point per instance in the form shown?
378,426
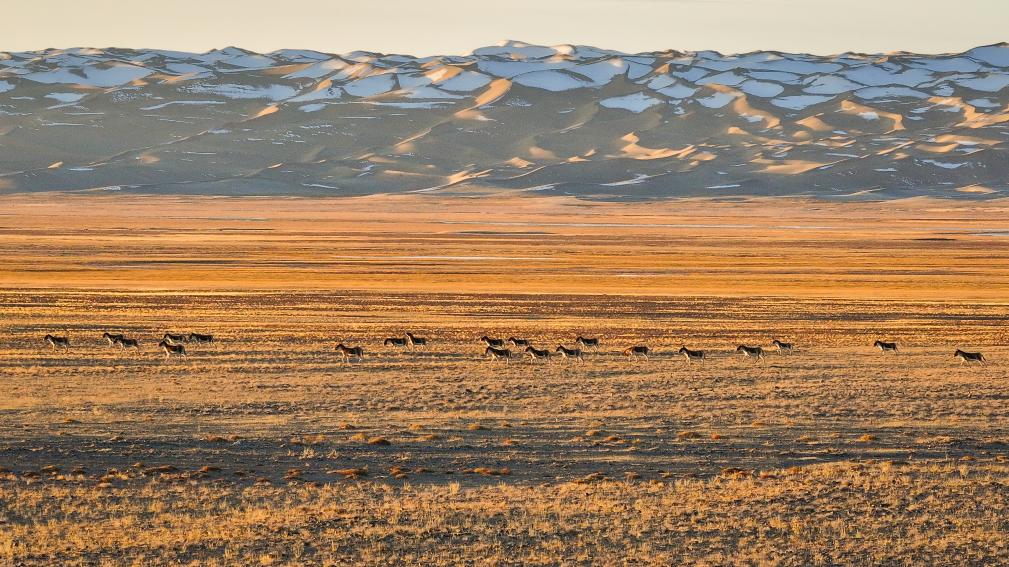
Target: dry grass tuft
488,471
222,438
351,472
309,440
590,478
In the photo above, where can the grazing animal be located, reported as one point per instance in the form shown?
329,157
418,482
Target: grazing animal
57,342
692,355
416,341
125,343
498,353
783,347
639,350
751,352
395,341
587,343
174,338
519,342
200,339
499,343
347,353
112,339
968,357
170,349
536,353
574,353
885,347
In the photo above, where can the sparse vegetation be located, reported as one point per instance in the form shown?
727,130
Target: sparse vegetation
922,513
265,449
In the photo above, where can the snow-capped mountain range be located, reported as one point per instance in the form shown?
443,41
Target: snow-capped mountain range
567,120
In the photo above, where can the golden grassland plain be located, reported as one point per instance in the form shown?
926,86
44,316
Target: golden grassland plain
264,448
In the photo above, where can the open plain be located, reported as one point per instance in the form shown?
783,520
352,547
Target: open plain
265,448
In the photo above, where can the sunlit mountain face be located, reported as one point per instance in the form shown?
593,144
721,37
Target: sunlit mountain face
562,120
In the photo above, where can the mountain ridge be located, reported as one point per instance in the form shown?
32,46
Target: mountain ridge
569,119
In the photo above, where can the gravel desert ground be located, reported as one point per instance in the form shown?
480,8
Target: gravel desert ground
264,447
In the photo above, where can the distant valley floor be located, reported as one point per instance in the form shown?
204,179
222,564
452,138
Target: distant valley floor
907,249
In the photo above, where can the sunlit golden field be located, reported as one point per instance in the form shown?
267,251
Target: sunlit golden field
266,448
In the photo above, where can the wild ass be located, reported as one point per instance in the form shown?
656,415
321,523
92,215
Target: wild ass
112,339
347,353
177,339
498,353
692,355
639,350
415,341
566,352
783,347
57,342
756,353
126,343
537,354
968,357
200,339
396,342
498,343
885,347
170,349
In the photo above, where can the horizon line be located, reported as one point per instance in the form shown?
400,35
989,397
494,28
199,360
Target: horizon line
518,44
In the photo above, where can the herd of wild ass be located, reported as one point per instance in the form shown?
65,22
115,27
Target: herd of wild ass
496,349
171,344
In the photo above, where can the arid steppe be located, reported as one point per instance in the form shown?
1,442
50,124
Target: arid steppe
265,448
